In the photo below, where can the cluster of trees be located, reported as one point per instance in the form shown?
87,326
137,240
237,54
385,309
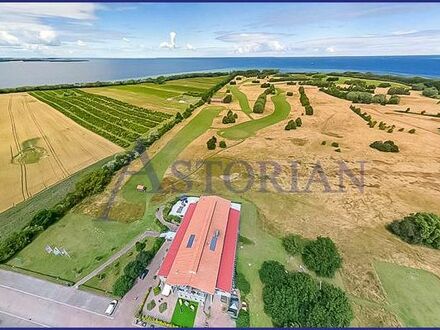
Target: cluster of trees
430,92
386,146
157,80
260,103
418,228
398,90
243,319
364,115
265,85
320,255
305,102
384,85
136,268
294,299
95,181
289,93
229,118
332,79
211,143
293,124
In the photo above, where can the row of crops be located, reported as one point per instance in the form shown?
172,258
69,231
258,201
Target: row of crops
119,122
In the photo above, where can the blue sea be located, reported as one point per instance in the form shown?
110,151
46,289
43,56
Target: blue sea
46,72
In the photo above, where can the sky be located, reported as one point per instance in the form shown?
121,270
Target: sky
145,30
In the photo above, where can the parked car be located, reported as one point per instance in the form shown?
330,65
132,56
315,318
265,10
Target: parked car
111,307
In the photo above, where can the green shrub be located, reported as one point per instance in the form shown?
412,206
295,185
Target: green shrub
412,131
384,85
265,85
394,99
398,90
151,305
122,285
227,98
229,118
335,144
289,93
243,319
222,144
322,256
233,83
291,83
379,99
309,110
242,284
255,81
260,103
387,146
291,124
359,97
272,272
293,244
298,122
323,143
418,87
211,143
163,307
329,79
140,246
430,92
418,228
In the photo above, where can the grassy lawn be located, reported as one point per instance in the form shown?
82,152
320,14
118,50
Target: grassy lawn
104,281
164,158
168,97
89,242
183,316
414,294
249,128
242,99
20,215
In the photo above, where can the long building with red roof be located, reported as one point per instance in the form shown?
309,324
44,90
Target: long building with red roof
201,259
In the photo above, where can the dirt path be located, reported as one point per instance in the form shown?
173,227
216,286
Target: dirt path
159,216
116,256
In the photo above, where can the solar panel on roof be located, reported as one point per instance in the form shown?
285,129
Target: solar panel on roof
190,241
214,238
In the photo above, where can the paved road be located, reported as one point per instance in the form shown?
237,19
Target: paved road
116,256
26,301
159,216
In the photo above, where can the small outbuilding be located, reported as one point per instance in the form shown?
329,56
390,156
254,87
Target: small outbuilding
141,188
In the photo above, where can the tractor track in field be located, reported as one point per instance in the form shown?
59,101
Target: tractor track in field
23,170
46,140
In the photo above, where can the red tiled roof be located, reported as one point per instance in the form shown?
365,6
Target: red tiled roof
197,264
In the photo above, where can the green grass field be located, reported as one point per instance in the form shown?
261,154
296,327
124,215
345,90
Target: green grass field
168,97
249,128
20,215
164,158
104,281
413,294
242,99
89,242
183,316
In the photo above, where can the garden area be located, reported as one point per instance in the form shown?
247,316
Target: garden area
184,313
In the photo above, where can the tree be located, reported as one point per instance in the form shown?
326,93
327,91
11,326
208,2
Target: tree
243,319
418,228
122,285
134,269
227,98
289,93
398,90
384,85
430,92
293,244
222,144
291,124
242,284
394,99
298,122
322,256
272,272
211,144
387,146
412,131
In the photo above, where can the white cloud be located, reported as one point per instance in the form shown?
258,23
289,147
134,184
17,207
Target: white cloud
190,47
172,43
8,39
80,43
330,50
125,39
258,42
78,11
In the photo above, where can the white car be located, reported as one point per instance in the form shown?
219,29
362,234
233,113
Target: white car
111,307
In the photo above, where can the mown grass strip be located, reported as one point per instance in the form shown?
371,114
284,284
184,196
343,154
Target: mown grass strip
242,100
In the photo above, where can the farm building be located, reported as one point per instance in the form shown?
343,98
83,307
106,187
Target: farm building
201,260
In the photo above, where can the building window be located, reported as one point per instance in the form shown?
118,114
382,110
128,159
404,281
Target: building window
190,241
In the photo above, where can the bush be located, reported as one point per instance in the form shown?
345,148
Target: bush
394,100
122,285
379,99
140,246
272,272
398,91
359,97
233,83
293,244
387,146
222,144
227,98
384,85
211,144
299,301
243,319
335,144
309,110
418,228
412,131
151,305
329,79
322,257
298,122
290,125
289,93
260,103
163,307
255,81
418,87
265,85
229,118
291,83
242,284
430,92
